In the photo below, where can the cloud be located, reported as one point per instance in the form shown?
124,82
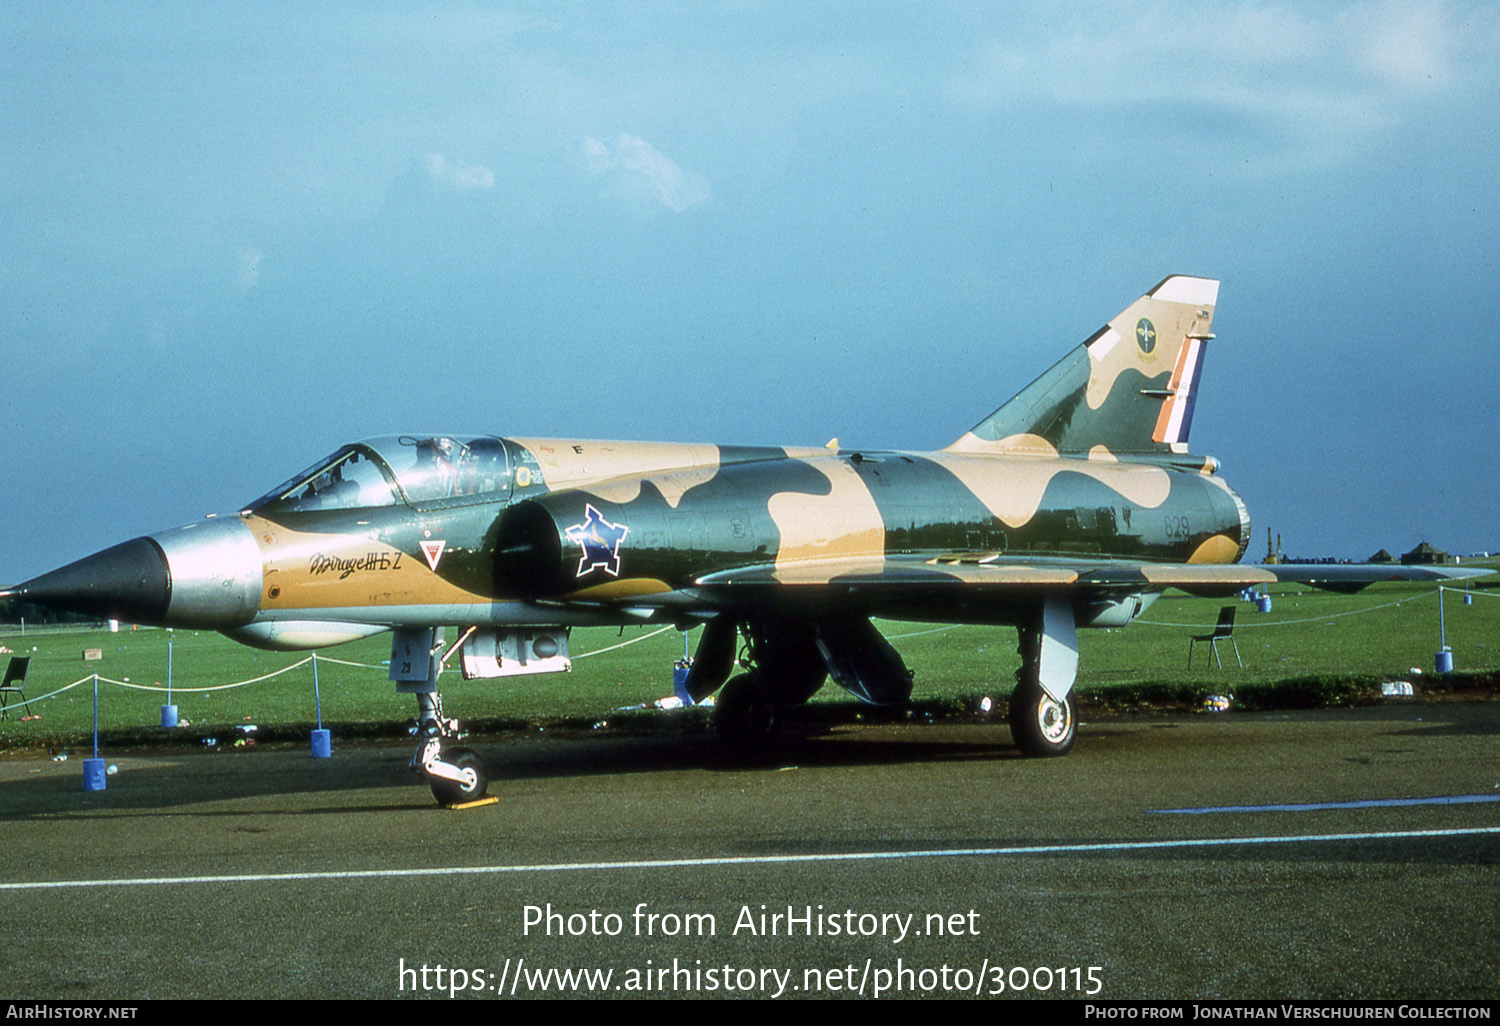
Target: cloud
1318,81
1414,47
640,169
456,174
249,268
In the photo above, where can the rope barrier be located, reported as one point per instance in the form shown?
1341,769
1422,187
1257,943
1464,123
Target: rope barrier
43,698
268,676
632,641
1238,624
345,662
582,655
644,637
918,634
216,687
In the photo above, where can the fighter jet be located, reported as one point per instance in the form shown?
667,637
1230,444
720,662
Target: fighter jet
1073,505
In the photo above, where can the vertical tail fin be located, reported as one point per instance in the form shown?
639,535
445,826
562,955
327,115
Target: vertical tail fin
1129,389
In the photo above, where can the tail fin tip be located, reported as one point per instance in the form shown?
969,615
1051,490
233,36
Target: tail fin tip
1104,396
1184,288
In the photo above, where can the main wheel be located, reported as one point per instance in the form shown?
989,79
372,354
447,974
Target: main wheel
745,718
454,792
1040,724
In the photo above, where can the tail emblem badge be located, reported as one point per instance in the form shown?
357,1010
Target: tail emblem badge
1145,335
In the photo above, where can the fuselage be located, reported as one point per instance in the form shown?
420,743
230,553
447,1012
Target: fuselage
415,531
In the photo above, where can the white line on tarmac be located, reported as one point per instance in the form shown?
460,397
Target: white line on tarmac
755,860
1365,803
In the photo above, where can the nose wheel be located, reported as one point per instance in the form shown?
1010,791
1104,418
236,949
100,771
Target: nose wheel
456,775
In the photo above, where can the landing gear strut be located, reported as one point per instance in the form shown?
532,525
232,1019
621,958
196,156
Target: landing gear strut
745,718
456,775
1042,718
1040,724
788,668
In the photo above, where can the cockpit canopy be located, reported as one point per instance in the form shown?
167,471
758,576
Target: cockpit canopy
424,471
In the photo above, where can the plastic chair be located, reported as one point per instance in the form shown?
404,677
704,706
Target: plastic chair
15,684
1223,631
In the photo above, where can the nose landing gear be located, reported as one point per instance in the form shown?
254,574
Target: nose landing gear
456,775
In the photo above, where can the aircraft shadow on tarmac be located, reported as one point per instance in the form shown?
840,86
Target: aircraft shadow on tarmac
1451,728
178,780
805,747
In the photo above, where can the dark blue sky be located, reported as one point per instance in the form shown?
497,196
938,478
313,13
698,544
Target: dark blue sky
234,237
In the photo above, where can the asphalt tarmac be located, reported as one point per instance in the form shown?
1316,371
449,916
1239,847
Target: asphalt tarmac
1351,853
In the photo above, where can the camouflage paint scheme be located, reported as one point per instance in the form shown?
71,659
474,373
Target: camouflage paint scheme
1075,468
1074,504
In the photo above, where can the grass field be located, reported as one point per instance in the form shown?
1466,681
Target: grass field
1313,647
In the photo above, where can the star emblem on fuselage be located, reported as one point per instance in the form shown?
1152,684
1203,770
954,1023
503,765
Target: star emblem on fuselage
600,541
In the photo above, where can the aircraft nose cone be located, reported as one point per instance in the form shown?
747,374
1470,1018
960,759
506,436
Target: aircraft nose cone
127,582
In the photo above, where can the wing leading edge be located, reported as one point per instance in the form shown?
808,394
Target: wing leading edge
1000,574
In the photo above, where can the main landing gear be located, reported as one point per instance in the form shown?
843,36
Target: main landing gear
746,718
792,657
1040,724
1041,714
456,775
788,667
